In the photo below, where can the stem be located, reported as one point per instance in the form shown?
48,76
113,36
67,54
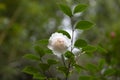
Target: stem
63,60
44,72
72,37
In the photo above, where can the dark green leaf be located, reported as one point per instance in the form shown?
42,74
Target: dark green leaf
43,41
44,66
80,8
30,70
64,33
66,10
87,78
84,25
48,51
92,68
31,56
109,72
101,49
89,48
80,43
78,67
63,69
39,76
69,54
39,51
101,64
51,62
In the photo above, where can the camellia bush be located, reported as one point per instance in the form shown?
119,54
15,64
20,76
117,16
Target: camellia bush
62,50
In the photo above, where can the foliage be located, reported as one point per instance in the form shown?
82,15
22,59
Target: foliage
68,58
23,23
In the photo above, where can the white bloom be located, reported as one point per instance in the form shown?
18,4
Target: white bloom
59,43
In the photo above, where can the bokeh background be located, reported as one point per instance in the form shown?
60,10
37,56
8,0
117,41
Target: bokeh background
23,22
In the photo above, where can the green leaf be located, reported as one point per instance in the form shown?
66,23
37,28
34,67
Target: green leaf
109,72
66,10
31,57
39,76
64,33
80,8
39,51
84,25
30,70
101,64
92,68
69,54
48,51
43,42
80,43
86,78
78,67
51,62
89,48
63,69
101,49
44,66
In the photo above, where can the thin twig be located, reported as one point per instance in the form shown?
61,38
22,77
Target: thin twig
72,39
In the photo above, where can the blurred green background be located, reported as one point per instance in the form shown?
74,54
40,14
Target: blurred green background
23,22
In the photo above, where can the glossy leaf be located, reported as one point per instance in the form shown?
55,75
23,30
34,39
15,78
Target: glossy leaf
31,57
84,25
39,51
64,33
43,42
78,67
63,69
48,51
89,48
69,54
39,76
80,8
86,78
44,66
30,70
101,64
51,62
80,43
92,68
66,9
101,49
109,72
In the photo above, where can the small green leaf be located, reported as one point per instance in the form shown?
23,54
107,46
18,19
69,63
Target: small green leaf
39,51
101,49
92,68
63,69
101,64
64,33
44,66
84,25
80,8
48,51
31,56
89,48
78,67
69,54
86,78
30,70
80,43
66,10
39,76
43,42
51,62
109,72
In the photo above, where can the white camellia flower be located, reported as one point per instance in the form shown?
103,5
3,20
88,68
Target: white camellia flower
59,43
